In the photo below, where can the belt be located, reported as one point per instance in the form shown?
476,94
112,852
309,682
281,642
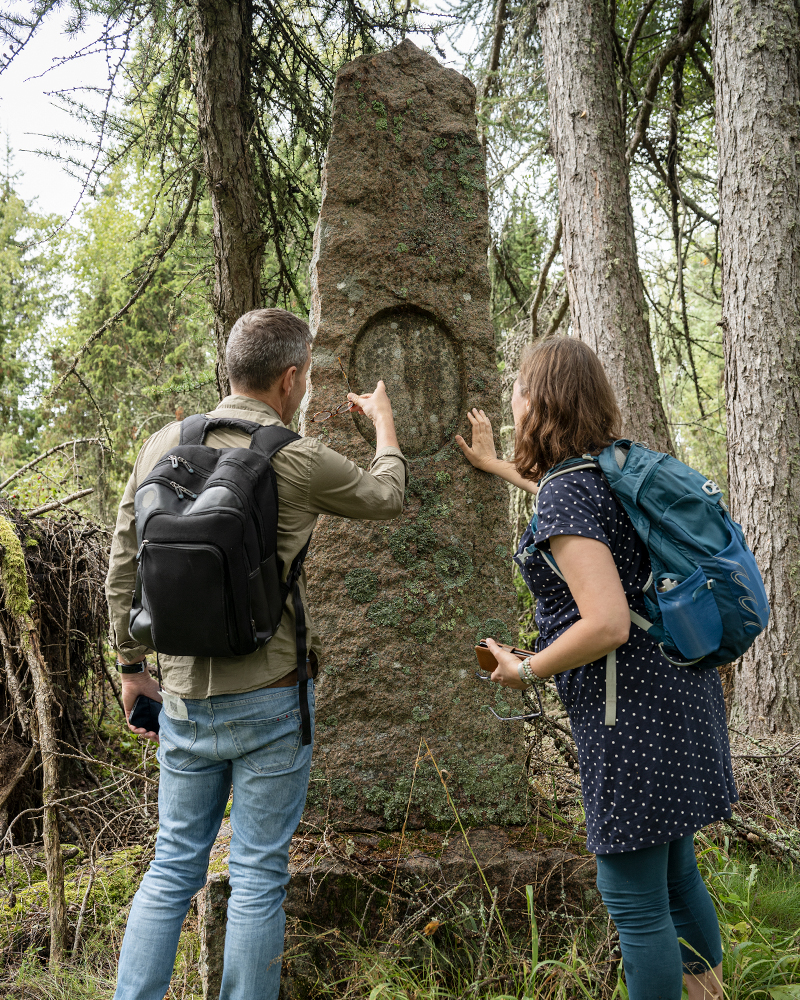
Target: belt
288,681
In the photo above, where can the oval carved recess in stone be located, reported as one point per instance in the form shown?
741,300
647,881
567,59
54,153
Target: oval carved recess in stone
420,363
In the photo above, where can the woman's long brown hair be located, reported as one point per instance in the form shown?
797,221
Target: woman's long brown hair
572,405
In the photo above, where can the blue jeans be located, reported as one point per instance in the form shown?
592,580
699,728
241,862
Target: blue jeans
655,896
250,742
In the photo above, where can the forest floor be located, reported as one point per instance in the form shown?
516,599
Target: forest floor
459,953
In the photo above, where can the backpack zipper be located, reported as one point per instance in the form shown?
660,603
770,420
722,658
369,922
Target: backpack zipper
181,490
174,459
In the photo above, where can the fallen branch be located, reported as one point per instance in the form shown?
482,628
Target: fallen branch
766,756
47,454
111,767
14,579
54,504
754,832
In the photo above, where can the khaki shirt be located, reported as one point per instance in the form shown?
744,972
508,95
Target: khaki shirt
312,479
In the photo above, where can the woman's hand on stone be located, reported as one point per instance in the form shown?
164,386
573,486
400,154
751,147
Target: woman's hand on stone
482,453
506,673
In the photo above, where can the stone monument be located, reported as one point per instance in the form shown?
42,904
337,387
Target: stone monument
400,291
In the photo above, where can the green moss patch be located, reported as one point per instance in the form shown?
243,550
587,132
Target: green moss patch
362,585
14,571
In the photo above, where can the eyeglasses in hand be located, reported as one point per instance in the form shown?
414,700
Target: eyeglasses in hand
530,716
345,407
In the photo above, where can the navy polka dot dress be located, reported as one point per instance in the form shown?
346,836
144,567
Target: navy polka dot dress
664,770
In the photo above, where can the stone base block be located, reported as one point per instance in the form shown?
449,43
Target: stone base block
384,887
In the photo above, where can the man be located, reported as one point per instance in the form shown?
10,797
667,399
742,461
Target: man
234,724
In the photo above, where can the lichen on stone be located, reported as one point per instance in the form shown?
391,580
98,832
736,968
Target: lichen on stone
386,613
494,628
362,585
454,566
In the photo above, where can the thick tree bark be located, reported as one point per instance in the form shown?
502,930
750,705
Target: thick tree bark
606,294
223,36
757,81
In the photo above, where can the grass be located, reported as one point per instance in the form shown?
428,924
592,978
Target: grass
758,904
466,957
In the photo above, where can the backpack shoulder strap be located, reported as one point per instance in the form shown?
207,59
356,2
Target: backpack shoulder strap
193,429
269,440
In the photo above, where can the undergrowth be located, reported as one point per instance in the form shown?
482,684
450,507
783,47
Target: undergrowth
463,954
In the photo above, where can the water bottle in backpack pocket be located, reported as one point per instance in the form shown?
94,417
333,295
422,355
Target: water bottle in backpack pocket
690,614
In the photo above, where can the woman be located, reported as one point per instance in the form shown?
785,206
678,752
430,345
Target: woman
663,770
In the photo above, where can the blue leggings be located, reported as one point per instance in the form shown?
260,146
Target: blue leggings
655,896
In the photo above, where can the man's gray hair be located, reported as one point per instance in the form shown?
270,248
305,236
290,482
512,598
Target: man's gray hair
262,345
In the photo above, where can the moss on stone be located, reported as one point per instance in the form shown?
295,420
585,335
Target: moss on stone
116,879
362,585
496,629
386,613
453,565
473,785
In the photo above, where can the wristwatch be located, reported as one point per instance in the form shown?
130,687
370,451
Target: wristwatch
132,668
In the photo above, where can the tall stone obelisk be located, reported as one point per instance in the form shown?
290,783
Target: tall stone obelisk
400,291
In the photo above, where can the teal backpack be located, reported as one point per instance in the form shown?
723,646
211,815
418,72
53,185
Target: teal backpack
705,598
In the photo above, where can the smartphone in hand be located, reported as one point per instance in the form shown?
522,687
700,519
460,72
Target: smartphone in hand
144,714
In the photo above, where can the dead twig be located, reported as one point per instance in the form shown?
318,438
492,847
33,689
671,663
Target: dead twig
542,283
46,454
55,504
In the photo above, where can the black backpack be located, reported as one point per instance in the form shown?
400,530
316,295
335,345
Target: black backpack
208,580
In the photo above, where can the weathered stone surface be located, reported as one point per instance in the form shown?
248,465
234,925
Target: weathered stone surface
400,291
212,913
331,890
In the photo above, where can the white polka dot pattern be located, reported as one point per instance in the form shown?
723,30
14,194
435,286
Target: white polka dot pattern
664,770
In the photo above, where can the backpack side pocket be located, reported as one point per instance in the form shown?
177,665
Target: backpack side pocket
691,616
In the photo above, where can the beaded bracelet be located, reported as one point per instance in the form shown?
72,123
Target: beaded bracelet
526,671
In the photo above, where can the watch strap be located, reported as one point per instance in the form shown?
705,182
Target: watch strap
132,668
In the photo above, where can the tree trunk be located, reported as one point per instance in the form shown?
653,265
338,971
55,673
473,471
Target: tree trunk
606,294
757,81
223,36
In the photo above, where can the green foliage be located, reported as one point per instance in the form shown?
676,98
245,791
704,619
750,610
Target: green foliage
528,633
156,363
31,297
